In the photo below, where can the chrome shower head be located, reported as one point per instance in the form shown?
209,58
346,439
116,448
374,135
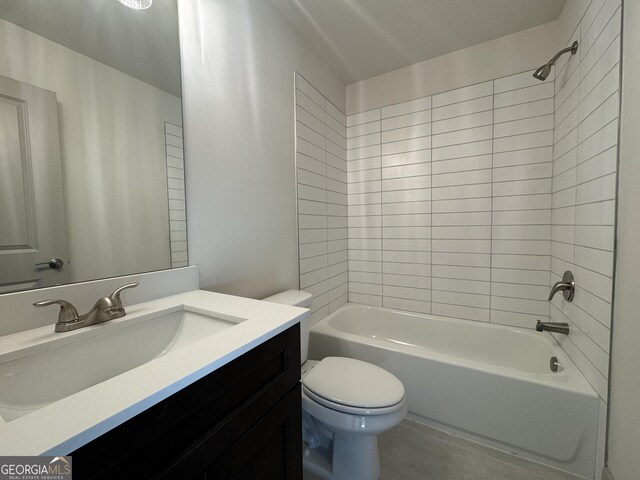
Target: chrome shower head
543,72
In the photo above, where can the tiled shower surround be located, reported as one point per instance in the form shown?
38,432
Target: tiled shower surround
470,203
584,187
322,199
450,202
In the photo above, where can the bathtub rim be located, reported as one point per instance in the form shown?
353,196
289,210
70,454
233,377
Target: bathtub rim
569,379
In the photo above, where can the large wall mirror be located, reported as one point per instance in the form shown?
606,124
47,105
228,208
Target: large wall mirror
91,144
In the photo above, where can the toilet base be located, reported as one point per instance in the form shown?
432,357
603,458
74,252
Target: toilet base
353,457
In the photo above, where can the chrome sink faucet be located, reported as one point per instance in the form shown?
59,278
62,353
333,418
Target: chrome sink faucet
105,309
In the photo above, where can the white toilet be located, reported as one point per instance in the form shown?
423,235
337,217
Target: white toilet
346,403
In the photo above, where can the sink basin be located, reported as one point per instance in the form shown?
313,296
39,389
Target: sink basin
62,369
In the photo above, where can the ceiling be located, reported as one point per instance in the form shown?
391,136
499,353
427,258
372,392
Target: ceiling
140,43
365,38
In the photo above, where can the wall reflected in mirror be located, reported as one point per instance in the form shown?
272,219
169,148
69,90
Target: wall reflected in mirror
91,149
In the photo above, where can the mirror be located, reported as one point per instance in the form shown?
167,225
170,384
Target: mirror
91,150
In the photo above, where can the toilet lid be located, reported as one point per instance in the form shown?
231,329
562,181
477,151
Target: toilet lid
347,381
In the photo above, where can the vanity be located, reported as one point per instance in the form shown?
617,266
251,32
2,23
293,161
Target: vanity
240,421
192,385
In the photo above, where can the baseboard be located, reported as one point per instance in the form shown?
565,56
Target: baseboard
606,474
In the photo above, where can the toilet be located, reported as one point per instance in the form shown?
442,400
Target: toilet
346,403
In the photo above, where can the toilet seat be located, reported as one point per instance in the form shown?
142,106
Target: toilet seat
338,407
352,386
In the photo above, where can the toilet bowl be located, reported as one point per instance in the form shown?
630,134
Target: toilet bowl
346,404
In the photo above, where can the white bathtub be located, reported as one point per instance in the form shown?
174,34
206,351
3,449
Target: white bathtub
490,383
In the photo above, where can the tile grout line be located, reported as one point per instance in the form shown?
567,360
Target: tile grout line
553,176
326,217
430,306
491,213
381,216
575,180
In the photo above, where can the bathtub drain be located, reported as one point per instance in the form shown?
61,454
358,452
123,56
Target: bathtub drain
554,364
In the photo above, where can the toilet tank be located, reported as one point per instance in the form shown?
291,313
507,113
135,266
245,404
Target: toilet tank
296,298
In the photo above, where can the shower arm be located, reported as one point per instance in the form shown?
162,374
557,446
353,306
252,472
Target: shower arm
573,49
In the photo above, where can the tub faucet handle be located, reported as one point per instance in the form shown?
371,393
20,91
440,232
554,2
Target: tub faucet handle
567,286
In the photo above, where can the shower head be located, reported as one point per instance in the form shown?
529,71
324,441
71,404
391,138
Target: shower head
543,72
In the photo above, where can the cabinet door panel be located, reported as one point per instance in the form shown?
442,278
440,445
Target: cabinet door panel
161,441
271,449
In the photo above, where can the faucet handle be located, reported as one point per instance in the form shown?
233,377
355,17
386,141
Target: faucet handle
567,286
68,312
115,296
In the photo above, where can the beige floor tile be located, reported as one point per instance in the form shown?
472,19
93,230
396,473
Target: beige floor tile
412,451
419,452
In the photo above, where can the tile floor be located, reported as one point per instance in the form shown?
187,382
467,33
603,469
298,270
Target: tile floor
413,451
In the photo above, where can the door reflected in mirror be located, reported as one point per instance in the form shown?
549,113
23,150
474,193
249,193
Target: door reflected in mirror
91,141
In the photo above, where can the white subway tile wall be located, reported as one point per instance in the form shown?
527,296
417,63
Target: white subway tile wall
450,202
322,199
405,205
461,202
584,187
175,184
364,189
521,213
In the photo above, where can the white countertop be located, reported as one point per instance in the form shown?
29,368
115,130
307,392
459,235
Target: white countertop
65,425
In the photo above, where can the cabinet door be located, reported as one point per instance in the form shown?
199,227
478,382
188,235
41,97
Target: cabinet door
270,450
178,438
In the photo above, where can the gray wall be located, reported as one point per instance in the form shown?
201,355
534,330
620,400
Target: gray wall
239,141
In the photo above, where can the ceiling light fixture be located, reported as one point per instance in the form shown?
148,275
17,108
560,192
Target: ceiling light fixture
137,4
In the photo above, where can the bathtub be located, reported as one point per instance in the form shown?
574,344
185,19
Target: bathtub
489,383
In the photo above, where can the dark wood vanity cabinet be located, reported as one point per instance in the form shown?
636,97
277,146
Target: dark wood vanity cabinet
242,421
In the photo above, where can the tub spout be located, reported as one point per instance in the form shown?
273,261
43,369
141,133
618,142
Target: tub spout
555,327
567,286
